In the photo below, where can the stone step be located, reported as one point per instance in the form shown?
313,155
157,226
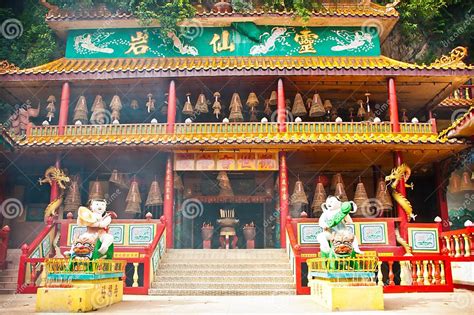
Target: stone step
9,272
253,261
220,266
8,278
214,292
8,285
225,272
229,257
7,291
229,279
222,285
226,253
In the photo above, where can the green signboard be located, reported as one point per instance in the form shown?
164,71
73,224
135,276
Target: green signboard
223,41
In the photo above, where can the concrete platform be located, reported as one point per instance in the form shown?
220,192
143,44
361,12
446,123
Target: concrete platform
460,302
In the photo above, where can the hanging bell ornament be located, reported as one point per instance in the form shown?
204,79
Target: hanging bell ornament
188,107
80,111
235,108
317,108
318,199
361,111
360,196
178,182
154,195
340,192
299,110
116,107
454,183
252,101
72,201
150,104
466,184
384,198
134,104
96,191
253,115
288,104
337,178
115,178
133,198
51,108
267,110
217,107
224,184
299,196
202,104
327,106
273,99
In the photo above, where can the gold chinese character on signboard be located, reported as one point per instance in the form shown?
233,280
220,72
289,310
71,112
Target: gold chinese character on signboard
139,44
220,43
306,40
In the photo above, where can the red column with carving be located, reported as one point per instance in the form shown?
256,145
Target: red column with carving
171,119
281,107
283,184
64,107
398,160
441,197
168,202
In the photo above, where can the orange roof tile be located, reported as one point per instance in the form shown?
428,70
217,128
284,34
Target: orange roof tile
65,65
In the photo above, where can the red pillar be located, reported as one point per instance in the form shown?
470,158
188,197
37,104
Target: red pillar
393,105
441,197
64,107
171,119
281,107
397,156
283,184
168,202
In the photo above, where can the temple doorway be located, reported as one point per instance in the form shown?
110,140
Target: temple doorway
211,200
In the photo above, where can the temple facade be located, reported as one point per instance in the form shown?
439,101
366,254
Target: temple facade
231,133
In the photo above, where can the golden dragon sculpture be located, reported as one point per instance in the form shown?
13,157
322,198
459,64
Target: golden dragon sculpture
54,175
399,173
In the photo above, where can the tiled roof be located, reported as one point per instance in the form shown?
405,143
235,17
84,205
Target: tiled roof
461,127
268,139
331,11
131,65
456,102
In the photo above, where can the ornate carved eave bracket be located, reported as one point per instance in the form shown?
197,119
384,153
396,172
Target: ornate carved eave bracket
455,57
6,66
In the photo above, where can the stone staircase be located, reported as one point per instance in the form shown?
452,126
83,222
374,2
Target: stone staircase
9,276
224,272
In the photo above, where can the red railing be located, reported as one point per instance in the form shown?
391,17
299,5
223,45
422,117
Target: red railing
139,269
4,237
428,273
30,268
458,244
420,273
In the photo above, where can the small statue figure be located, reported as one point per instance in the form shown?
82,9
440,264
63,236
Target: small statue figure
83,247
333,220
97,221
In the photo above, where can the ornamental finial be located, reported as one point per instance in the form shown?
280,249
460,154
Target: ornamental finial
5,66
455,56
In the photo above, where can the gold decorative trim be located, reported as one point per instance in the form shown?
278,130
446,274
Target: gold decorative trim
455,56
6,66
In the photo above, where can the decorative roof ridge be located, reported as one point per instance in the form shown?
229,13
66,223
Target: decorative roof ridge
7,68
449,132
365,8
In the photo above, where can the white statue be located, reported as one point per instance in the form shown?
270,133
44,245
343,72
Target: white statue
334,218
